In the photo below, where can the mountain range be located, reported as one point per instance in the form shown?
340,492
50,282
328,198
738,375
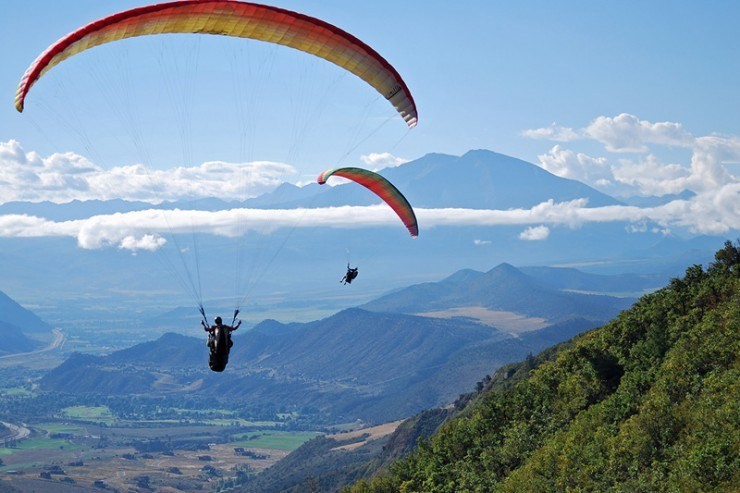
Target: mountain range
643,403
503,288
374,363
303,264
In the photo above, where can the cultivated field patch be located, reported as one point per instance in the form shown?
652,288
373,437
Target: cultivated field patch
513,323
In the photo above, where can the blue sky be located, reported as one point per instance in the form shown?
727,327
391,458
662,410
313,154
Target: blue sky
631,97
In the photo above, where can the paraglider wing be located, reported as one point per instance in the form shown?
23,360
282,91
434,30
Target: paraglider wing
233,18
382,188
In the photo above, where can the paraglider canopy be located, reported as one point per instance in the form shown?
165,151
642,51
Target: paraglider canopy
239,19
382,188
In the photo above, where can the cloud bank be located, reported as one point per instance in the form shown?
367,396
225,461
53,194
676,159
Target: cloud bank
148,229
62,177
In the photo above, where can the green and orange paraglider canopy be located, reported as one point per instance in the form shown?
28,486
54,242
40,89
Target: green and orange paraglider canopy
382,188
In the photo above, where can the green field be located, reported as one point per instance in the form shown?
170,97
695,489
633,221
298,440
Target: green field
61,428
276,440
211,417
222,412
98,414
39,444
36,449
239,422
16,392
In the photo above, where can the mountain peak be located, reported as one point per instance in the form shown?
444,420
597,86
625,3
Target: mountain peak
508,272
505,267
462,276
483,179
503,288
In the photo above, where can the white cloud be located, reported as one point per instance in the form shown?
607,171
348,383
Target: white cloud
24,226
627,133
647,174
709,154
553,132
147,242
650,177
145,229
63,177
381,160
621,133
576,166
535,233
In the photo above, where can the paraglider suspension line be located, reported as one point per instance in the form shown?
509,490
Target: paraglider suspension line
203,313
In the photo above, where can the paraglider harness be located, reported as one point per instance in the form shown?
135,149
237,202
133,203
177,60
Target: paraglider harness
350,275
219,342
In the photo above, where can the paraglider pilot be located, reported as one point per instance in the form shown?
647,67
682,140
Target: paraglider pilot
350,275
219,325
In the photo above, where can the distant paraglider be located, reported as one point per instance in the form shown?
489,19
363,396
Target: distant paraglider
382,188
350,275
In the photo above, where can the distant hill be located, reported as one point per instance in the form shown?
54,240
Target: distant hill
645,403
13,340
82,373
14,314
16,323
504,288
375,365
353,365
170,350
76,209
572,279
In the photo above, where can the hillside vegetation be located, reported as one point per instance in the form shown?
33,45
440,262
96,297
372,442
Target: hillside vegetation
649,402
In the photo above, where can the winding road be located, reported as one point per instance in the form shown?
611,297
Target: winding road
57,343
17,432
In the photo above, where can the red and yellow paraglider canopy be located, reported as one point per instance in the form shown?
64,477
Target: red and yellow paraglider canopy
239,19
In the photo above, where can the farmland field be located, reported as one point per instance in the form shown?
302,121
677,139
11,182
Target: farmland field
82,450
97,414
275,440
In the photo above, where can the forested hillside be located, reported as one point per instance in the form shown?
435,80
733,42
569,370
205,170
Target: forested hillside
649,402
